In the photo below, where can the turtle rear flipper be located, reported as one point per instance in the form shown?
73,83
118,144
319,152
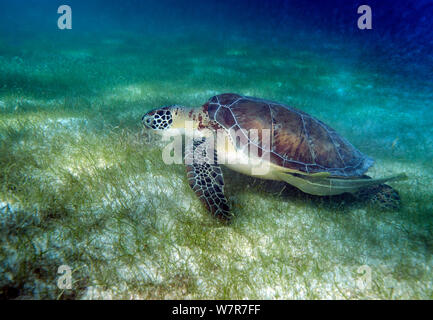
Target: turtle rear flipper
206,179
382,196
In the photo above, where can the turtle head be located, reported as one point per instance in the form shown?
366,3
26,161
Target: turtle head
174,117
162,118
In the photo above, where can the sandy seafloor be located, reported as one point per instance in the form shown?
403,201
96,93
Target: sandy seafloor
82,184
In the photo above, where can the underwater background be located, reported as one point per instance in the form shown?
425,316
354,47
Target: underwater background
83,185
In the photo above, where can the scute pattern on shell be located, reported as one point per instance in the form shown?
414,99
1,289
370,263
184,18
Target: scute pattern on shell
297,140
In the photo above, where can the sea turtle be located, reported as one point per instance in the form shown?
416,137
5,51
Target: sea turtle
289,145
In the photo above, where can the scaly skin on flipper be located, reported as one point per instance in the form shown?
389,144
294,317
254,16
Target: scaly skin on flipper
206,179
381,195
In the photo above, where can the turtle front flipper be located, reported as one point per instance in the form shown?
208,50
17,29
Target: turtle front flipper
205,177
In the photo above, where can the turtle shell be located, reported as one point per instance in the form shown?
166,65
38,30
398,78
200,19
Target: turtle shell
296,140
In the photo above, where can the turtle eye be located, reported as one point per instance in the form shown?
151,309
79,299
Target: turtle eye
147,120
